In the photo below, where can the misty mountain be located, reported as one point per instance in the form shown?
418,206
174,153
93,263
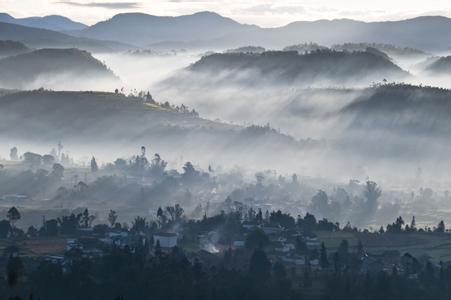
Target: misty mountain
143,29
53,22
43,38
440,66
206,29
46,64
390,50
288,67
8,48
247,49
107,119
306,47
426,33
402,109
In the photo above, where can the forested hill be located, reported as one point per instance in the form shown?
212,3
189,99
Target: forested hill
415,110
441,66
98,119
18,71
319,65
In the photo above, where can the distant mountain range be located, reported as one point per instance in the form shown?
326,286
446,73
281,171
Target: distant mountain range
143,29
206,29
211,30
22,70
54,22
43,38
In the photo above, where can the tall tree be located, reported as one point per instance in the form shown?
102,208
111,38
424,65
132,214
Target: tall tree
440,227
13,155
413,224
14,268
13,215
259,265
324,261
94,166
112,217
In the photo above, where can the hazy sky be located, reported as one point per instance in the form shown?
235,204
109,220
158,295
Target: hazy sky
260,12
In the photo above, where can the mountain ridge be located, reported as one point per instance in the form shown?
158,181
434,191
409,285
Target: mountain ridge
50,22
44,38
145,29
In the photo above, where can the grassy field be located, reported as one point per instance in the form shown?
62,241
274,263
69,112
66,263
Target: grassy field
37,247
437,246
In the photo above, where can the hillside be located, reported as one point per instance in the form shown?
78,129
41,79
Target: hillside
117,123
53,22
313,67
247,49
8,48
391,50
45,65
43,38
305,48
440,66
404,109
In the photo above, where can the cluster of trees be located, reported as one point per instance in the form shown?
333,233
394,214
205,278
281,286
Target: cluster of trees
416,281
125,273
146,97
137,274
359,209
65,225
139,165
31,182
399,226
36,160
289,66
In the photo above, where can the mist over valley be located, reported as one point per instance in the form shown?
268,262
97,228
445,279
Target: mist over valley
226,154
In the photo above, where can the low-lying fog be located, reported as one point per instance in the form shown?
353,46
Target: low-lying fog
403,153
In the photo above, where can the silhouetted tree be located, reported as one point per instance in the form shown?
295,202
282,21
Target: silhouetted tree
259,265
256,239
94,166
112,217
324,261
13,155
13,215
440,227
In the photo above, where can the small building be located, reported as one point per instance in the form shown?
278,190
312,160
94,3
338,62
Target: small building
312,243
166,239
239,243
73,244
293,260
272,230
249,225
14,197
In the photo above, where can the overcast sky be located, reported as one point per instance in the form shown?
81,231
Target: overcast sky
260,12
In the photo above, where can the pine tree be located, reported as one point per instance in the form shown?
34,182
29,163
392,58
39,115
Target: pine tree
323,257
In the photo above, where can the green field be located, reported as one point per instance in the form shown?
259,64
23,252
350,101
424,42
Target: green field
36,247
437,246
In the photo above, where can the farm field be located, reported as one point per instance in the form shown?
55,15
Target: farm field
436,246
